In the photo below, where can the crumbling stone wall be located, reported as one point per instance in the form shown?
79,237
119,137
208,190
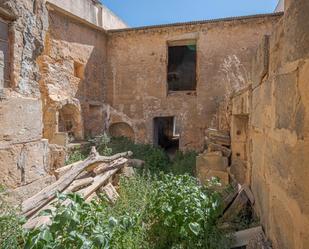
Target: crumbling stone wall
137,74
23,153
73,69
278,129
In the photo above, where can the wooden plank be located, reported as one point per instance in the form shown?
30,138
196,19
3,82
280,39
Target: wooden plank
100,180
46,195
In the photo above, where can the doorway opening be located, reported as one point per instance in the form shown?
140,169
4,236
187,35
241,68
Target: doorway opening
166,134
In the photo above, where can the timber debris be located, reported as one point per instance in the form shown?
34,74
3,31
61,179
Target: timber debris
88,178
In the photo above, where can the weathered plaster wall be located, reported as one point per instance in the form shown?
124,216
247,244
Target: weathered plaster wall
137,72
23,153
279,131
91,12
73,69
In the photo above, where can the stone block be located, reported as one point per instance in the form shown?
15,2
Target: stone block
21,120
218,137
213,153
284,224
260,62
290,111
239,170
18,195
241,103
212,147
239,128
23,163
207,174
214,162
257,113
60,138
57,156
243,238
239,151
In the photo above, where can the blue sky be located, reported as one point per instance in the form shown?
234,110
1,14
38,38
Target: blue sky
150,12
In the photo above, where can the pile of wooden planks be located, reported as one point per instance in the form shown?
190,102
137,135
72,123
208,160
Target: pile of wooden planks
88,177
218,141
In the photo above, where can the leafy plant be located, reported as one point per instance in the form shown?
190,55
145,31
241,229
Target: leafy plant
184,215
134,198
101,144
78,225
184,163
151,213
76,155
97,224
11,231
155,158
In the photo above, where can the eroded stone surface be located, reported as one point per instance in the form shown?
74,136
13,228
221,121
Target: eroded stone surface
22,164
22,193
83,81
278,132
21,120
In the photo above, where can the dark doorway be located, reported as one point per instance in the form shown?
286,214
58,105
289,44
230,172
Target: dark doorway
165,133
182,68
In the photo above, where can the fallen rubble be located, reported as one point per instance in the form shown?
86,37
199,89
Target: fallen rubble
89,178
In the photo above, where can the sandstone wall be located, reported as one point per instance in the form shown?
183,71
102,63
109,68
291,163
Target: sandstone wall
137,73
279,131
23,153
73,69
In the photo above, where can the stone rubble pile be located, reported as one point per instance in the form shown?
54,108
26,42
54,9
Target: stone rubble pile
214,161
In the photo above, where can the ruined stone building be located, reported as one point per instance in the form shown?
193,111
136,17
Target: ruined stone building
71,69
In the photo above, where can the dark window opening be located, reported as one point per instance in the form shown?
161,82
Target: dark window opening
4,55
166,134
182,68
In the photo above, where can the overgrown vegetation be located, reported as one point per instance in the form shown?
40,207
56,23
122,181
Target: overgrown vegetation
183,214
152,212
11,232
163,207
156,159
76,155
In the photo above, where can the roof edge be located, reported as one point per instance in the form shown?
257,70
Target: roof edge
225,19
55,8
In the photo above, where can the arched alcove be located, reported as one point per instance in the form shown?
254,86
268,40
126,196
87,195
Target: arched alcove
70,121
121,129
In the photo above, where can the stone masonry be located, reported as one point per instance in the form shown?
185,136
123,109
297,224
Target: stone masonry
73,71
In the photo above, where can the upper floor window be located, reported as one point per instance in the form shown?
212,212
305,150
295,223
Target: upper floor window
4,55
181,74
